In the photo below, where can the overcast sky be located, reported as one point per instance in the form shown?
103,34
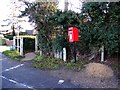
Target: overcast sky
6,8
3,9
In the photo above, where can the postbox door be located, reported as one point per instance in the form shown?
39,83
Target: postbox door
76,35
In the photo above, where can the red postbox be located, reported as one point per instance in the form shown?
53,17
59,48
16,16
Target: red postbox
73,34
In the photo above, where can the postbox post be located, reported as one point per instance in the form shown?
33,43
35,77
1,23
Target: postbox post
74,53
73,37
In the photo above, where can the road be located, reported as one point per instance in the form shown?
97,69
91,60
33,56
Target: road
21,75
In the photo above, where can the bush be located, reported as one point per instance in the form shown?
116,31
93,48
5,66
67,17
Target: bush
13,54
10,37
46,63
76,66
40,58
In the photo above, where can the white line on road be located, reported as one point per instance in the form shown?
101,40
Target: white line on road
15,82
3,59
13,68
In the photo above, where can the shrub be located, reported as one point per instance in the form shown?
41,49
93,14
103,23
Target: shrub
76,66
46,63
39,58
3,41
13,54
10,37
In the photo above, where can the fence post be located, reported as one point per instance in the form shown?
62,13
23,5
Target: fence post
14,44
102,53
64,54
21,46
18,44
36,43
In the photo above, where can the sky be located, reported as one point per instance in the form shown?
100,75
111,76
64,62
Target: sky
6,9
3,9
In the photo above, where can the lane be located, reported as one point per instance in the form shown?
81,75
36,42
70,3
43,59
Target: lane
21,75
7,65
6,70
9,83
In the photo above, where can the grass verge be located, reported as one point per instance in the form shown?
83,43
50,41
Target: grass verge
13,54
76,66
45,63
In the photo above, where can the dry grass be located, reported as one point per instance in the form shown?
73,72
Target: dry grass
99,70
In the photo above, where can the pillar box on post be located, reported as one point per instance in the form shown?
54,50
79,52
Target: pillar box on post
73,37
73,34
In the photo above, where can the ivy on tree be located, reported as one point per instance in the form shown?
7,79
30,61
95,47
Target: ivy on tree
98,25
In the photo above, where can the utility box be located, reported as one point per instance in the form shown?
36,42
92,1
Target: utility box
73,35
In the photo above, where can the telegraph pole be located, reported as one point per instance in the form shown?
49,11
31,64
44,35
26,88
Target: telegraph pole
15,6
66,5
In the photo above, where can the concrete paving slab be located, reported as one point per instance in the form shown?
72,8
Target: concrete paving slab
29,56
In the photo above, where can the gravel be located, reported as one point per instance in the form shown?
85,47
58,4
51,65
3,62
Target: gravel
84,80
99,70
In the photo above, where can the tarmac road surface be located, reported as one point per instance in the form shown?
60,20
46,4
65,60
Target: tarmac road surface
21,75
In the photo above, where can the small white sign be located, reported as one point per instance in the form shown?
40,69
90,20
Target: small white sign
60,81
